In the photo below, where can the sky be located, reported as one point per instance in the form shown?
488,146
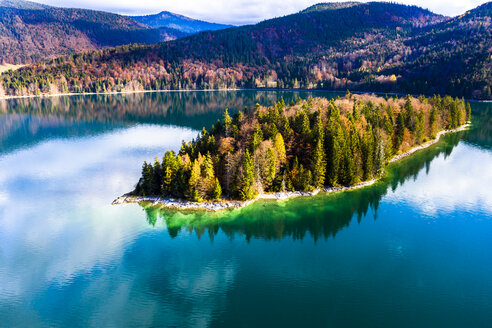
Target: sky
240,12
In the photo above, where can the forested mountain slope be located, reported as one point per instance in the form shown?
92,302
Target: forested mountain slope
22,4
30,35
360,46
30,32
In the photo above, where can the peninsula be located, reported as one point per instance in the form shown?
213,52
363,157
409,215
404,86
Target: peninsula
298,149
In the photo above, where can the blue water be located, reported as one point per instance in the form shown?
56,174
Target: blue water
414,250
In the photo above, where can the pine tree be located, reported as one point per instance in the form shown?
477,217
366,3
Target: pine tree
420,130
367,154
347,175
271,168
379,156
257,137
147,176
318,129
459,114
318,165
302,123
281,103
227,122
468,112
333,152
246,189
355,112
399,132
284,126
208,176
168,180
194,181
157,178
217,190
409,114
433,122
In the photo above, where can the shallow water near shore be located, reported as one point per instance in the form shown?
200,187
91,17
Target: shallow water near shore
414,249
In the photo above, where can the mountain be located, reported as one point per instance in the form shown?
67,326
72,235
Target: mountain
30,32
178,22
30,35
358,46
21,4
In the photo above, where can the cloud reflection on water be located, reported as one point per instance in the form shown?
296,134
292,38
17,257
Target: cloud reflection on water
461,181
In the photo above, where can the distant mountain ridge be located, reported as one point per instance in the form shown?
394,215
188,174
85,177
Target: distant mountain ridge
30,32
372,46
330,6
178,22
22,4
30,35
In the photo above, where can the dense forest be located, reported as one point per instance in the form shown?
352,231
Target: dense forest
31,35
304,146
361,46
31,32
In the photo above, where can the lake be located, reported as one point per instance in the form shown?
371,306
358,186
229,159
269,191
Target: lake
413,250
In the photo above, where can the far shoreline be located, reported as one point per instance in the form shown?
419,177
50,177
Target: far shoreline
72,94
178,204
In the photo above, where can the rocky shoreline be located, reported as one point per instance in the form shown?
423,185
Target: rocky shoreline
231,204
429,143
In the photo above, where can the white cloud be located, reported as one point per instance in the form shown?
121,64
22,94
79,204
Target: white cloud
240,12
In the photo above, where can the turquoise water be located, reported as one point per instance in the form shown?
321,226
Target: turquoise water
414,250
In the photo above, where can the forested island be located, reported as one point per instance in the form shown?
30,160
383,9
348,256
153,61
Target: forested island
306,146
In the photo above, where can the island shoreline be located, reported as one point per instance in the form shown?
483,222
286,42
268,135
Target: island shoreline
179,204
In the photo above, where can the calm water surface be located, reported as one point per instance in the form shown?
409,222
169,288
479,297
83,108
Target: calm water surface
415,250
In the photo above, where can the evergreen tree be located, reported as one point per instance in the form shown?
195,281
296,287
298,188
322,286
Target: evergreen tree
246,183
157,178
168,180
420,130
194,181
257,137
409,114
355,112
367,154
399,132
318,165
468,112
284,126
271,168
433,122
318,129
302,123
208,176
379,156
147,179
217,190
347,175
333,153
227,122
